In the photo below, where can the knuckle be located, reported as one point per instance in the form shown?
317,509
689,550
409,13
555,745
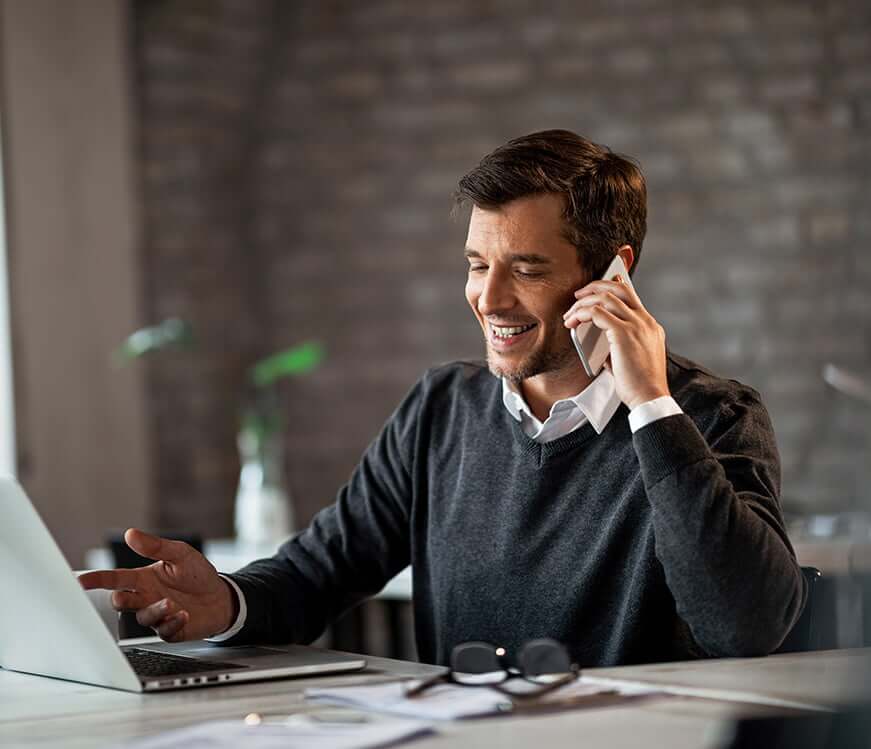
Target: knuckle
165,627
150,615
171,629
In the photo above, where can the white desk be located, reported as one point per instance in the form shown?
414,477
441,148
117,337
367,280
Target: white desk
827,677
39,712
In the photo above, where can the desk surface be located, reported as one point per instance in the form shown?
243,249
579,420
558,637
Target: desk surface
40,712
827,677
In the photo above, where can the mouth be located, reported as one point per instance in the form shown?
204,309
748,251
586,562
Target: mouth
506,336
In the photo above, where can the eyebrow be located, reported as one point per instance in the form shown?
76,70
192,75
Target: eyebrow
517,257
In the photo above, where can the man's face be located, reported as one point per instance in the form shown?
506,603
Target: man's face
522,277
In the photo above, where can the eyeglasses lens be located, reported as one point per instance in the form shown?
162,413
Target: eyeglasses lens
542,660
477,663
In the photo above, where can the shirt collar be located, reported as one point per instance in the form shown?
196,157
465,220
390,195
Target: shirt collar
598,401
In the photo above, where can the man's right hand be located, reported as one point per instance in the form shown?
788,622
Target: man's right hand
180,596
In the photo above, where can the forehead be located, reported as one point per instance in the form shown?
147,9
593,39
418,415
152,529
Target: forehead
531,224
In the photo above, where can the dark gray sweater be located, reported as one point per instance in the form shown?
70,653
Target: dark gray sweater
664,545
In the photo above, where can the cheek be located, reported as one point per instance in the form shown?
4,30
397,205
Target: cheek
552,312
472,293
551,303
564,299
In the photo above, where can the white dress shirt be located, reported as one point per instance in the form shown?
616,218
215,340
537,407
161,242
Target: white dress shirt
240,618
596,403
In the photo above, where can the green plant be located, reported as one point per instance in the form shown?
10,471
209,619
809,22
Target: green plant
261,415
260,409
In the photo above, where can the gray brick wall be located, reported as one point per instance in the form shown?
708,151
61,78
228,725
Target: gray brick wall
298,160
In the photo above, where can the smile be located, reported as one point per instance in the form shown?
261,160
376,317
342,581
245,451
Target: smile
507,335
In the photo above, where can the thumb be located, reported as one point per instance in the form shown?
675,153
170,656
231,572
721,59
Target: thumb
155,547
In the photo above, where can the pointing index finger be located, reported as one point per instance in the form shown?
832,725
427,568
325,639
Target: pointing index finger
155,547
110,579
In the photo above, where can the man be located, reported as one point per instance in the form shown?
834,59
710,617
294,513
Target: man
633,517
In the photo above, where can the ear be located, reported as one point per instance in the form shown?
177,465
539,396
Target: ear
628,254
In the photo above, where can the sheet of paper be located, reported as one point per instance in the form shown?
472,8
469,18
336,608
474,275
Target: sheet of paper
450,702
584,688
727,695
441,702
299,732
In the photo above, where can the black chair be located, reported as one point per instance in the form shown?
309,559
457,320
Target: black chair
807,634
847,728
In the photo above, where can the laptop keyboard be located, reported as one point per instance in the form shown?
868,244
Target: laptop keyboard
152,663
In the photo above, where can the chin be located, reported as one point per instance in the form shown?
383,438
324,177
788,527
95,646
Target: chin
535,363
513,372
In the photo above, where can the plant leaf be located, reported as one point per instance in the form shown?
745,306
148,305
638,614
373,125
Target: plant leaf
171,333
293,361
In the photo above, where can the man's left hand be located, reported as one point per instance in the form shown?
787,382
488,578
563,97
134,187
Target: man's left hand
637,341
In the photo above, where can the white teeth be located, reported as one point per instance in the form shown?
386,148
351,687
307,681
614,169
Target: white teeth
501,332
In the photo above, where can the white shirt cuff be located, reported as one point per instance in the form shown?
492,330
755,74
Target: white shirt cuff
240,619
647,413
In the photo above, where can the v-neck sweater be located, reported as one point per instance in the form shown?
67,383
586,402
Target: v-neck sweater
663,545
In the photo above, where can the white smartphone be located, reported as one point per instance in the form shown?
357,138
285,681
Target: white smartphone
591,342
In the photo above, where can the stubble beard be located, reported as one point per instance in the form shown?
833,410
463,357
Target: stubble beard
547,358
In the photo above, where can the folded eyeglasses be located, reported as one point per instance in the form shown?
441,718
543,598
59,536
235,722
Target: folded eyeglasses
541,666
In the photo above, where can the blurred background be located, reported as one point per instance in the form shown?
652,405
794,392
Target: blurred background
273,172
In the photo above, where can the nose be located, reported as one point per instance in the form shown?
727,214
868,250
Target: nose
497,294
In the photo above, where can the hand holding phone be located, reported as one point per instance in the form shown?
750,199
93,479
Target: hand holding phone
591,342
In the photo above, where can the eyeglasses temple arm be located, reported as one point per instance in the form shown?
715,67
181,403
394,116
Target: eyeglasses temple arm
543,688
422,686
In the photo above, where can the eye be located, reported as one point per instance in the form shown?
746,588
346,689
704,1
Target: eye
477,267
529,274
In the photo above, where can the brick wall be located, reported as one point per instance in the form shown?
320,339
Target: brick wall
297,165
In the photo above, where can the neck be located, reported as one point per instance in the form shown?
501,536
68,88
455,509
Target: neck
542,391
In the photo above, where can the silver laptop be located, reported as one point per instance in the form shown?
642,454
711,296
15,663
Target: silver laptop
48,626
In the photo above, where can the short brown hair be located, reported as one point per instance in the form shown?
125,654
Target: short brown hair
605,193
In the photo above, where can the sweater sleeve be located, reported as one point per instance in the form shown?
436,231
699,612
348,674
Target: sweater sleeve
718,528
348,553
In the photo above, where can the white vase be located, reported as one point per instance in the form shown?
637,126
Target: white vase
264,514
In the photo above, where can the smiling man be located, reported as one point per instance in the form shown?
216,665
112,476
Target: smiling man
522,301
633,517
